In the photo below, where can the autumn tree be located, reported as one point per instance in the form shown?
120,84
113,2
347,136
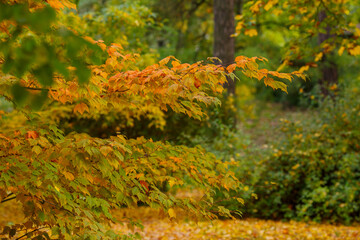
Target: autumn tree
67,184
315,30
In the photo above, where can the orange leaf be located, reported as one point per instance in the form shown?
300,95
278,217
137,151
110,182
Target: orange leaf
32,134
175,64
81,108
197,82
164,61
231,68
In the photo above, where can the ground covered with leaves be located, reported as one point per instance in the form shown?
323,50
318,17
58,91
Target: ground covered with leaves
243,229
157,226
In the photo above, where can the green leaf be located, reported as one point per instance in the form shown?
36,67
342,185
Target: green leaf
37,150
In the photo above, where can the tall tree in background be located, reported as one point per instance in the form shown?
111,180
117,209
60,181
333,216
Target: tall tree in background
328,67
224,27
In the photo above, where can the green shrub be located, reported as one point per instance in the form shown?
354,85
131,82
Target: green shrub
314,172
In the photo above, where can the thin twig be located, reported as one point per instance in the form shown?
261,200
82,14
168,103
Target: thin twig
5,200
40,89
30,232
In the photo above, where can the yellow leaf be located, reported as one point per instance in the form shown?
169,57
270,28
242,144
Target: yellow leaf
172,213
341,50
319,57
275,84
251,32
355,51
240,200
304,68
269,5
172,182
61,4
255,7
69,176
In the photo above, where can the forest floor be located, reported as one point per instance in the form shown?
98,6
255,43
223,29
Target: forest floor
160,228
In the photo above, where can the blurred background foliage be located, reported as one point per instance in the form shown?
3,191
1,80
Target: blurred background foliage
299,153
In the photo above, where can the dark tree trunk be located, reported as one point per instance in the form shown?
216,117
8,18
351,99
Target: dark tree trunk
224,27
329,71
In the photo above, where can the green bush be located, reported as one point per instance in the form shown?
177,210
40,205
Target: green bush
314,172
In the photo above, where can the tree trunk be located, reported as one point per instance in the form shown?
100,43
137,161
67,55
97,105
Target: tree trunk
224,44
329,71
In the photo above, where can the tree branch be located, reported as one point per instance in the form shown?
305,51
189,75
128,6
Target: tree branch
30,232
5,200
40,89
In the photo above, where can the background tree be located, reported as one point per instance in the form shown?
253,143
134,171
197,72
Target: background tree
328,67
68,182
224,42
